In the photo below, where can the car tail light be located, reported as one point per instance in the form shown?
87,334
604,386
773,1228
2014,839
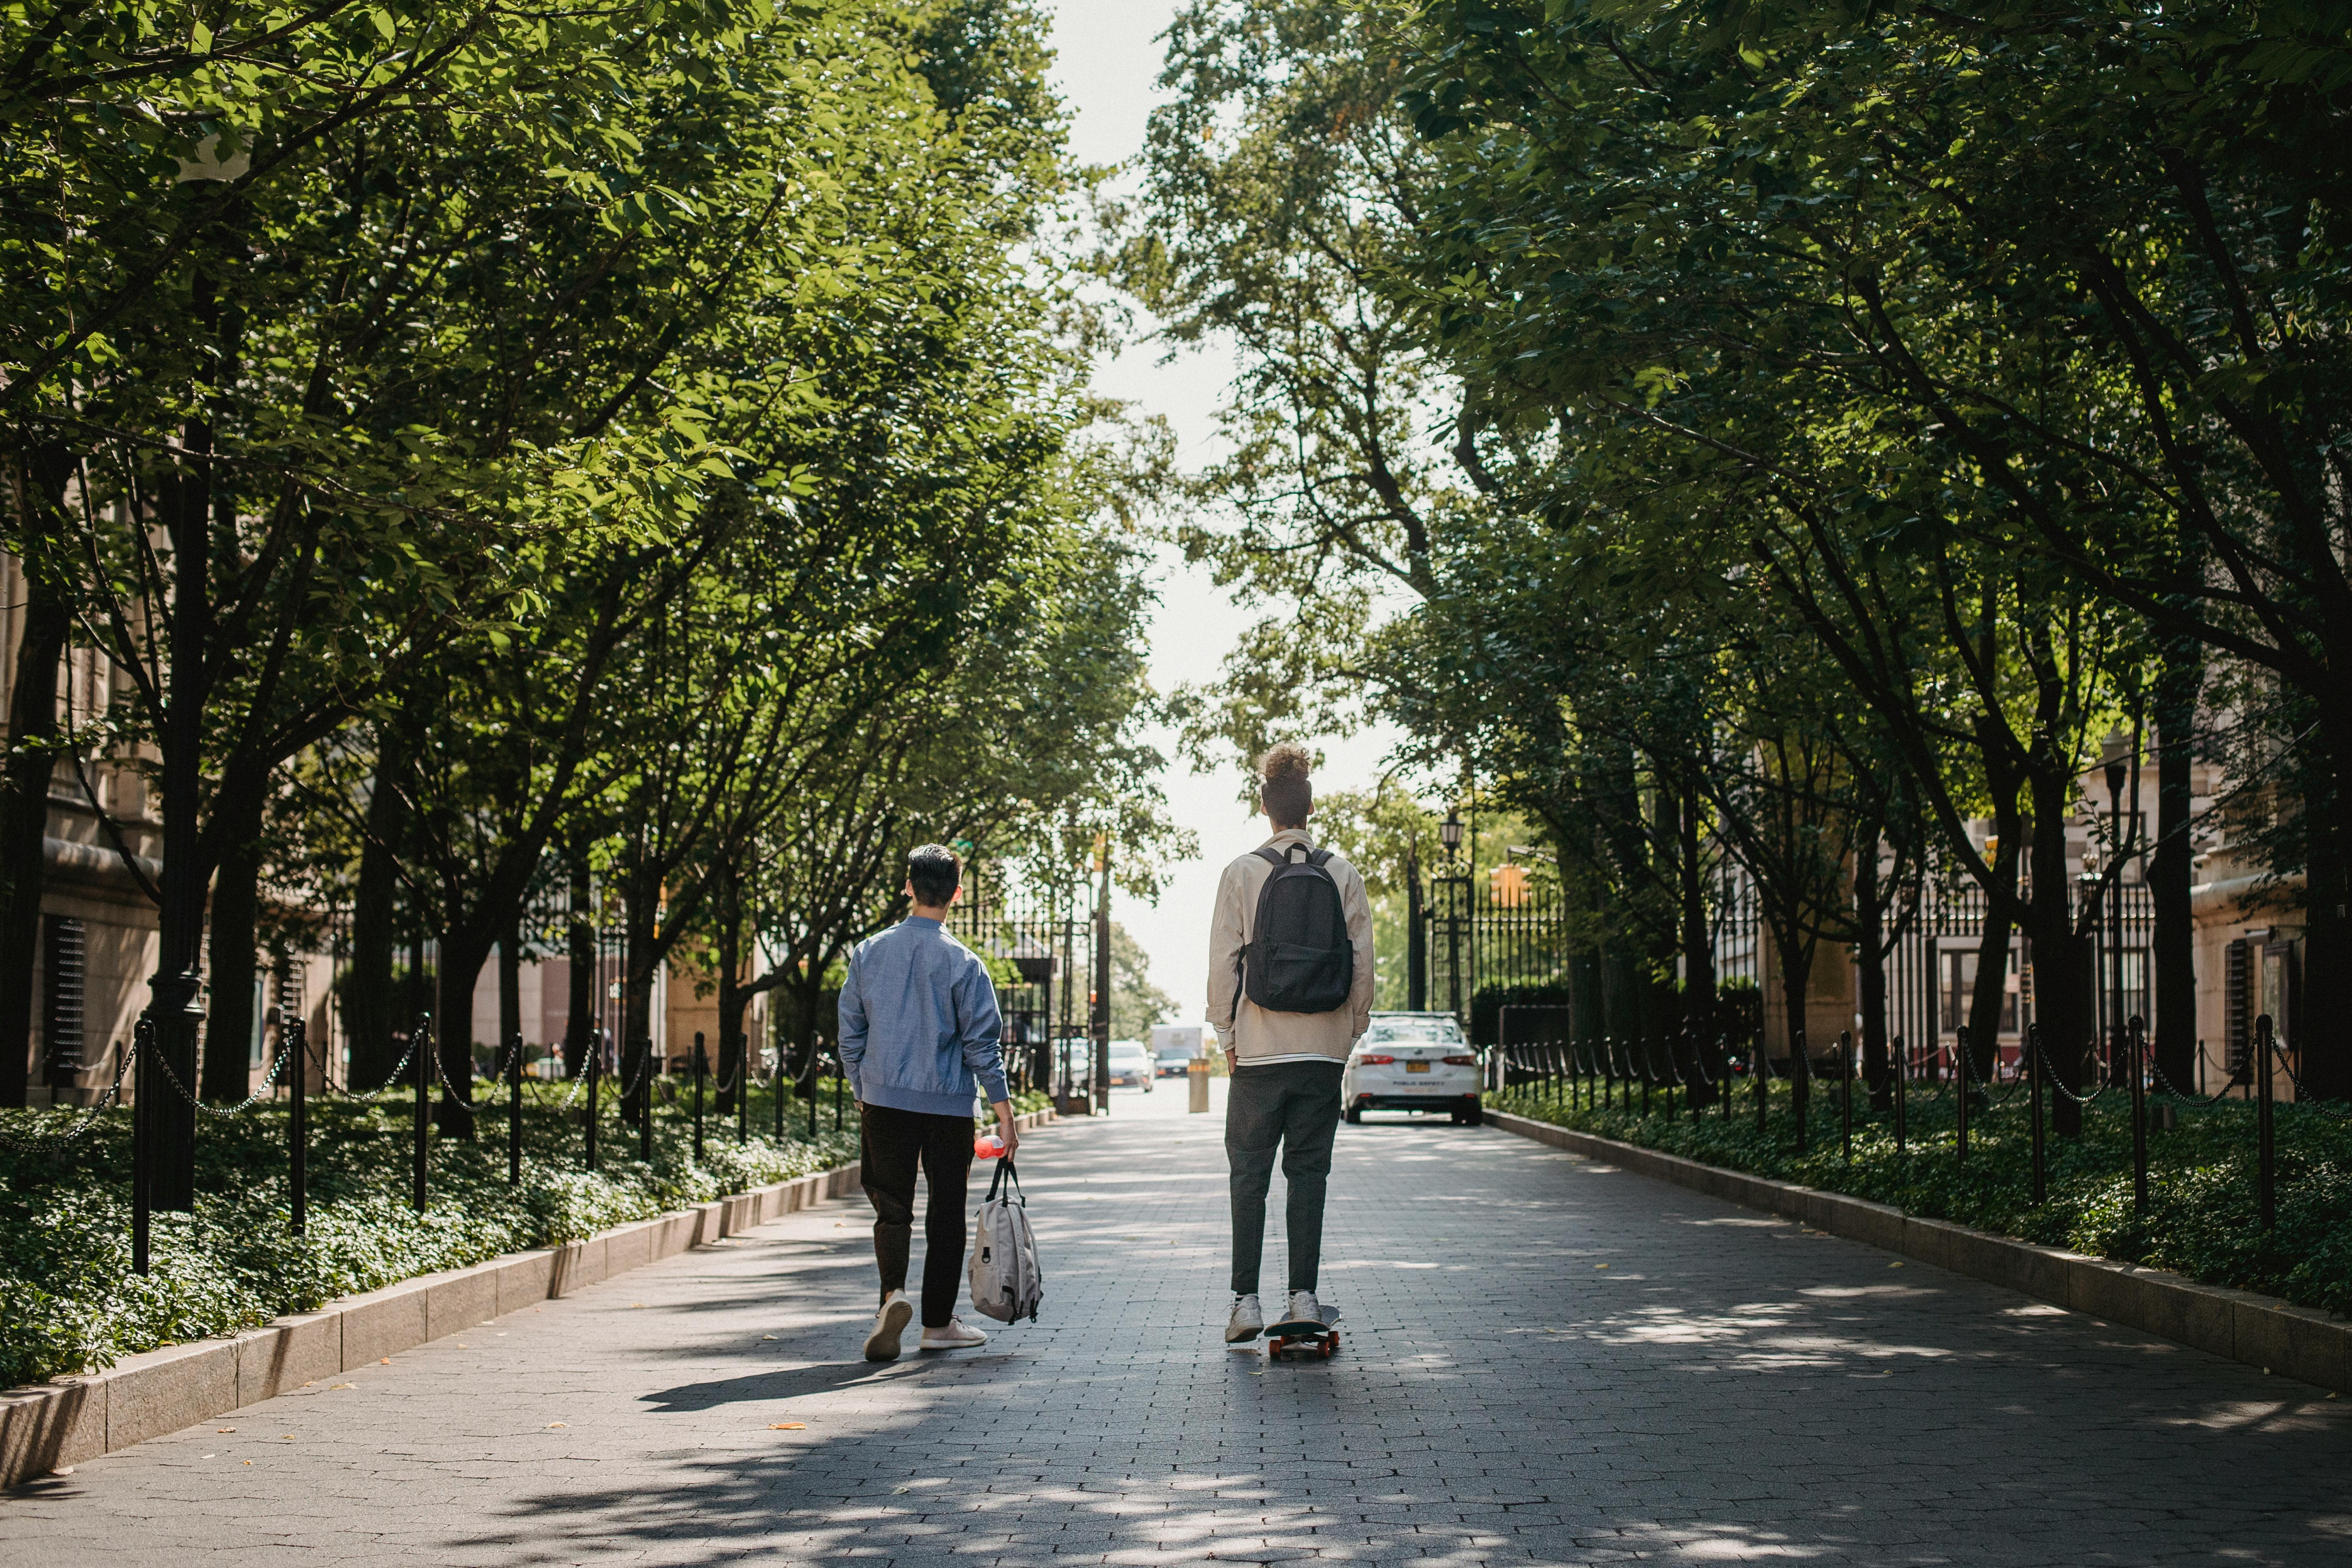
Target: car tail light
1375,1061
1462,1061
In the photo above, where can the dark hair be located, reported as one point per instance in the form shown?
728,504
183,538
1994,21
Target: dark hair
1283,789
935,872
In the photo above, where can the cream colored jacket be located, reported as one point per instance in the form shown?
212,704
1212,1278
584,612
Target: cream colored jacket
1245,1028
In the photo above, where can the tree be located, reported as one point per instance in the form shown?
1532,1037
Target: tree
2020,278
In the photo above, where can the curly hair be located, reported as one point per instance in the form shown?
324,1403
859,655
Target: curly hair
1283,790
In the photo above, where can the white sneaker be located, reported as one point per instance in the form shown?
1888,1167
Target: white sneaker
1247,1323
882,1345
956,1336
1304,1309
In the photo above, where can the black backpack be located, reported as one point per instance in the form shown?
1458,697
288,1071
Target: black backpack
1299,959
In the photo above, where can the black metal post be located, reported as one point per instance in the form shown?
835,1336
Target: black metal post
514,1112
2035,1073
776,1083
697,1097
143,1146
595,1074
1845,1094
1902,1055
644,1097
2266,1166
1723,1054
742,1088
420,1041
1963,1065
291,1037
817,1068
2137,1039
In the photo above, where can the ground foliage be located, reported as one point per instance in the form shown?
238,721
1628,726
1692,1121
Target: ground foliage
69,1301
2201,1217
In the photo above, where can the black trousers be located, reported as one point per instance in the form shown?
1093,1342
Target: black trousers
1292,1107
893,1142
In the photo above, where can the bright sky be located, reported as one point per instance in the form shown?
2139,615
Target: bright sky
1109,58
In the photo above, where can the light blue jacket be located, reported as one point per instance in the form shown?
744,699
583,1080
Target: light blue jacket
919,1022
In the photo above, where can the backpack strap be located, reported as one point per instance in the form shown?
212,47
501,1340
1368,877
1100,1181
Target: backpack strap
1270,855
1316,857
1004,1169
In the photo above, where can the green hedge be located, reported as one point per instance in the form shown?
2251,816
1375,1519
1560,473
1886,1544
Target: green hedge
69,1301
2201,1217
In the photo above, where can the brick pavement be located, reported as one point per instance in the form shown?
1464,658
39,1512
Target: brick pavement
1545,1361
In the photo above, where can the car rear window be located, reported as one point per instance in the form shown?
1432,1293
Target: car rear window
1399,1031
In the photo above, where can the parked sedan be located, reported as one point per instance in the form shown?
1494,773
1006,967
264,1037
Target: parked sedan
1130,1062
1412,1061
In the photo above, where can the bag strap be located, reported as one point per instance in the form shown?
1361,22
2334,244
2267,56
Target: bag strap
1004,1169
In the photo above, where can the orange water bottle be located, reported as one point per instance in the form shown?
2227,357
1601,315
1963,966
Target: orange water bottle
987,1147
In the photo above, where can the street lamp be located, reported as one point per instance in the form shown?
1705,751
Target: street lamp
1449,833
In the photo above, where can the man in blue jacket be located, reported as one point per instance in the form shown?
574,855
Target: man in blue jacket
919,1026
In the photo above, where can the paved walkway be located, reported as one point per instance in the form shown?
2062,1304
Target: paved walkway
1545,1361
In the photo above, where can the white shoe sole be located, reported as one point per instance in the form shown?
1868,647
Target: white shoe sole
882,1345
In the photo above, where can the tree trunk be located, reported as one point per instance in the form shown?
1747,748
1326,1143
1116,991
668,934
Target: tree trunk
1796,992
371,1004
1588,1018
2062,960
2170,873
462,957
236,916
1703,1060
732,1080
511,991
1870,913
1992,948
640,958
39,480
579,1030
184,508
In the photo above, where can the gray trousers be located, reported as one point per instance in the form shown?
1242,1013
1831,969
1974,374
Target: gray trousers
1294,1106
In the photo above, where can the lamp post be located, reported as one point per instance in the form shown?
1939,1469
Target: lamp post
1449,833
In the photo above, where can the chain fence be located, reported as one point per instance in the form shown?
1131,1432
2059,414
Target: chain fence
409,1077
1603,1071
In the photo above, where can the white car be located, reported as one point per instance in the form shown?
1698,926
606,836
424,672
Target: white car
1412,1061
1131,1063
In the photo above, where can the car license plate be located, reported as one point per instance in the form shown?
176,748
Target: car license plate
1416,1066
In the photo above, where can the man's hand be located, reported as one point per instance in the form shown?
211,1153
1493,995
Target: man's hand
1004,1127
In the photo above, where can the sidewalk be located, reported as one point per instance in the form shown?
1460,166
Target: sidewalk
1728,1386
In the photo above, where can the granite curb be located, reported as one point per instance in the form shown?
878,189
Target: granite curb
2258,1331
50,1426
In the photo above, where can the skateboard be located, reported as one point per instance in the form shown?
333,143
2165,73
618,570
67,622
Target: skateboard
1304,1339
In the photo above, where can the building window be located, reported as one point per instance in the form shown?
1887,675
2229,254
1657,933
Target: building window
65,964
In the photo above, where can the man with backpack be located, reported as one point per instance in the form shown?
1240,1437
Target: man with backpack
1290,992
918,1028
